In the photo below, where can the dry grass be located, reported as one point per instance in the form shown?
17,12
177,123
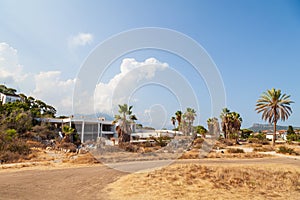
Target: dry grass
195,181
194,154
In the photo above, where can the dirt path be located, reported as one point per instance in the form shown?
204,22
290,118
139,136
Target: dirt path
70,183
86,182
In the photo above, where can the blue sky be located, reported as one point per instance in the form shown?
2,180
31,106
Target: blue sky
255,45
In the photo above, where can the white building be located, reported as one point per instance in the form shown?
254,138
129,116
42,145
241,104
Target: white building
88,129
5,98
281,134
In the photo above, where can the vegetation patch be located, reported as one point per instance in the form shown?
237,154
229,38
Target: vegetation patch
286,150
235,150
195,181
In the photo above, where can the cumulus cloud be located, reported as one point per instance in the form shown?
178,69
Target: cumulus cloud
50,87
11,72
81,39
108,95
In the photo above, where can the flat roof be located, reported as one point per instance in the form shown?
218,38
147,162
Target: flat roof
66,120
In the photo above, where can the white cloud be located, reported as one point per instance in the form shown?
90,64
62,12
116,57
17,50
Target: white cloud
81,39
47,86
108,95
51,88
11,72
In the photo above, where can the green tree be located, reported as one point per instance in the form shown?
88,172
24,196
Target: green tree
231,123
188,120
67,131
245,133
173,120
213,126
201,130
178,115
290,130
125,118
274,106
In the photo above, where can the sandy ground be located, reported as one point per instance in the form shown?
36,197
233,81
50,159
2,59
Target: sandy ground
97,181
52,175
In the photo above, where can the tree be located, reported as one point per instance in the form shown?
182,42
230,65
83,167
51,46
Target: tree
173,120
290,130
274,106
213,126
67,131
125,118
245,133
201,130
231,123
178,115
187,120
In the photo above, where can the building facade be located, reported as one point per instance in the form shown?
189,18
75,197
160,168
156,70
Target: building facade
88,129
5,98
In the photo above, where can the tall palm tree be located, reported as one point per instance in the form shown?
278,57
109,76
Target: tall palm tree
231,123
125,119
178,115
213,126
189,117
236,121
274,106
225,121
173,120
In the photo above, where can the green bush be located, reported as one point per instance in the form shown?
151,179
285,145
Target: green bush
258,141
293,137
285,150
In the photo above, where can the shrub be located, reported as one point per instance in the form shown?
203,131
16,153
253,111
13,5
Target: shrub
293,137
285,150
258,141
12,148
68,145
263,149
235,150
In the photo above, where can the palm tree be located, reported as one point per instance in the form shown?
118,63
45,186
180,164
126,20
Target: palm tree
213,126
274,106
178,115
125,119
189,117
231,123
173,120
67,130
236,121
225,122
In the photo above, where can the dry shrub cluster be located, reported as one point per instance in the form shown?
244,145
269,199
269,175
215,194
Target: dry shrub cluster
264,148
195,181
286,150
195,154
80,159
235,150
13,149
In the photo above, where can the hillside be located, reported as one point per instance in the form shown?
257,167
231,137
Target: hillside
260,127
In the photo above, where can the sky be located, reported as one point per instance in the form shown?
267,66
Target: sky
255,46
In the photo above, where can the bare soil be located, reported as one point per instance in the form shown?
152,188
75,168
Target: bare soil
54,175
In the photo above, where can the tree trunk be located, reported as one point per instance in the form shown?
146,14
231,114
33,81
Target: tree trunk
274,134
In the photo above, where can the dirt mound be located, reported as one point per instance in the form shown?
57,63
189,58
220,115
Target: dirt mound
82,159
